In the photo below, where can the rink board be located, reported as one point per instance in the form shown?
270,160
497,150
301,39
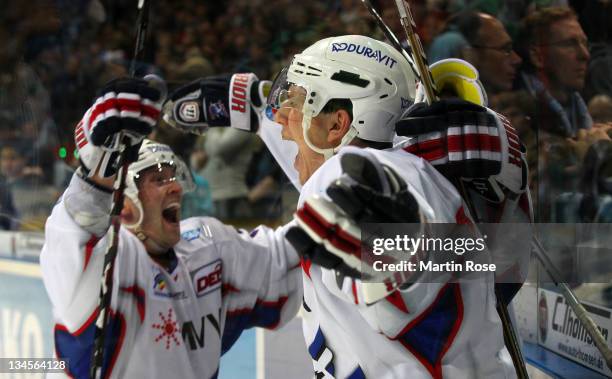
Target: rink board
26,325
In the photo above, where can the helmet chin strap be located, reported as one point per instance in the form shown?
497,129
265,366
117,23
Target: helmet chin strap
330,151
136,228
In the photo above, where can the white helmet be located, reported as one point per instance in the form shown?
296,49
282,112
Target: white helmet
372,74
154,154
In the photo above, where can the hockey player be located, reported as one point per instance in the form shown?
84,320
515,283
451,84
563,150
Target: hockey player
351,90
183,290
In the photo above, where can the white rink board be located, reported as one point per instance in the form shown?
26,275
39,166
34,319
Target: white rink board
560,331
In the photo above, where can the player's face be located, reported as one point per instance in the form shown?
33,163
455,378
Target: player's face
289,115
160,195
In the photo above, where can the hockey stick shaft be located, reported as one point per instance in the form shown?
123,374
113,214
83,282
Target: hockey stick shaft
106,288
418,54
572,301
391,37
431,95
419,62
540,252
510,338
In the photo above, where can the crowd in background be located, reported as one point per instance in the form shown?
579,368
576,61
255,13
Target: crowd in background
545,64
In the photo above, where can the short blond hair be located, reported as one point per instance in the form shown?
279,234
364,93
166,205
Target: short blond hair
537,25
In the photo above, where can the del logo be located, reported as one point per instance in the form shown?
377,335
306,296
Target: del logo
189,111
368,52
207,278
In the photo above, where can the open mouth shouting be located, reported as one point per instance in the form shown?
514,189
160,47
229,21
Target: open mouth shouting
171,214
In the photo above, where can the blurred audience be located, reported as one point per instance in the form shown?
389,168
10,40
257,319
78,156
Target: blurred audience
229,152
32,197
593,201
55,55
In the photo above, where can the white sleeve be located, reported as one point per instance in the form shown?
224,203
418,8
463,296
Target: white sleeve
284,151
70,258
262,279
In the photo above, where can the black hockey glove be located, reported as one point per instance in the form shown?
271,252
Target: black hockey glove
368,192
467,142
220,101
459,138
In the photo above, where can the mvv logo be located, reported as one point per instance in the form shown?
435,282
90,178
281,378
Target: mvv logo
194,333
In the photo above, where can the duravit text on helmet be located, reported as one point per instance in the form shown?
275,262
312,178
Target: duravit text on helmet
379,56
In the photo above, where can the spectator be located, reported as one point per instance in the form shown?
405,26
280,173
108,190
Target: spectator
593,203
265,179
33,199
482,40
199,201
557,56
596,20
600,108
229,152
8,214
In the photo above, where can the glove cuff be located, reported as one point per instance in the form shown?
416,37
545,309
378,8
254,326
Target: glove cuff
242,86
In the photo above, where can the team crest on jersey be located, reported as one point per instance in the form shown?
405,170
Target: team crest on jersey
207,278
161,289
159,283
189,111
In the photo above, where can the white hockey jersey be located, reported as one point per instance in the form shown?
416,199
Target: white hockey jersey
430,330
164,323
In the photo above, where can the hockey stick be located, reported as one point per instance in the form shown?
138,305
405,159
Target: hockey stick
418,54
431,95
581,313
511,340
106,288
391,37
418,62
541,255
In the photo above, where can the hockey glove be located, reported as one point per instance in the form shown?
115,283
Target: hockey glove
466,141
368,192
219,101
125,106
